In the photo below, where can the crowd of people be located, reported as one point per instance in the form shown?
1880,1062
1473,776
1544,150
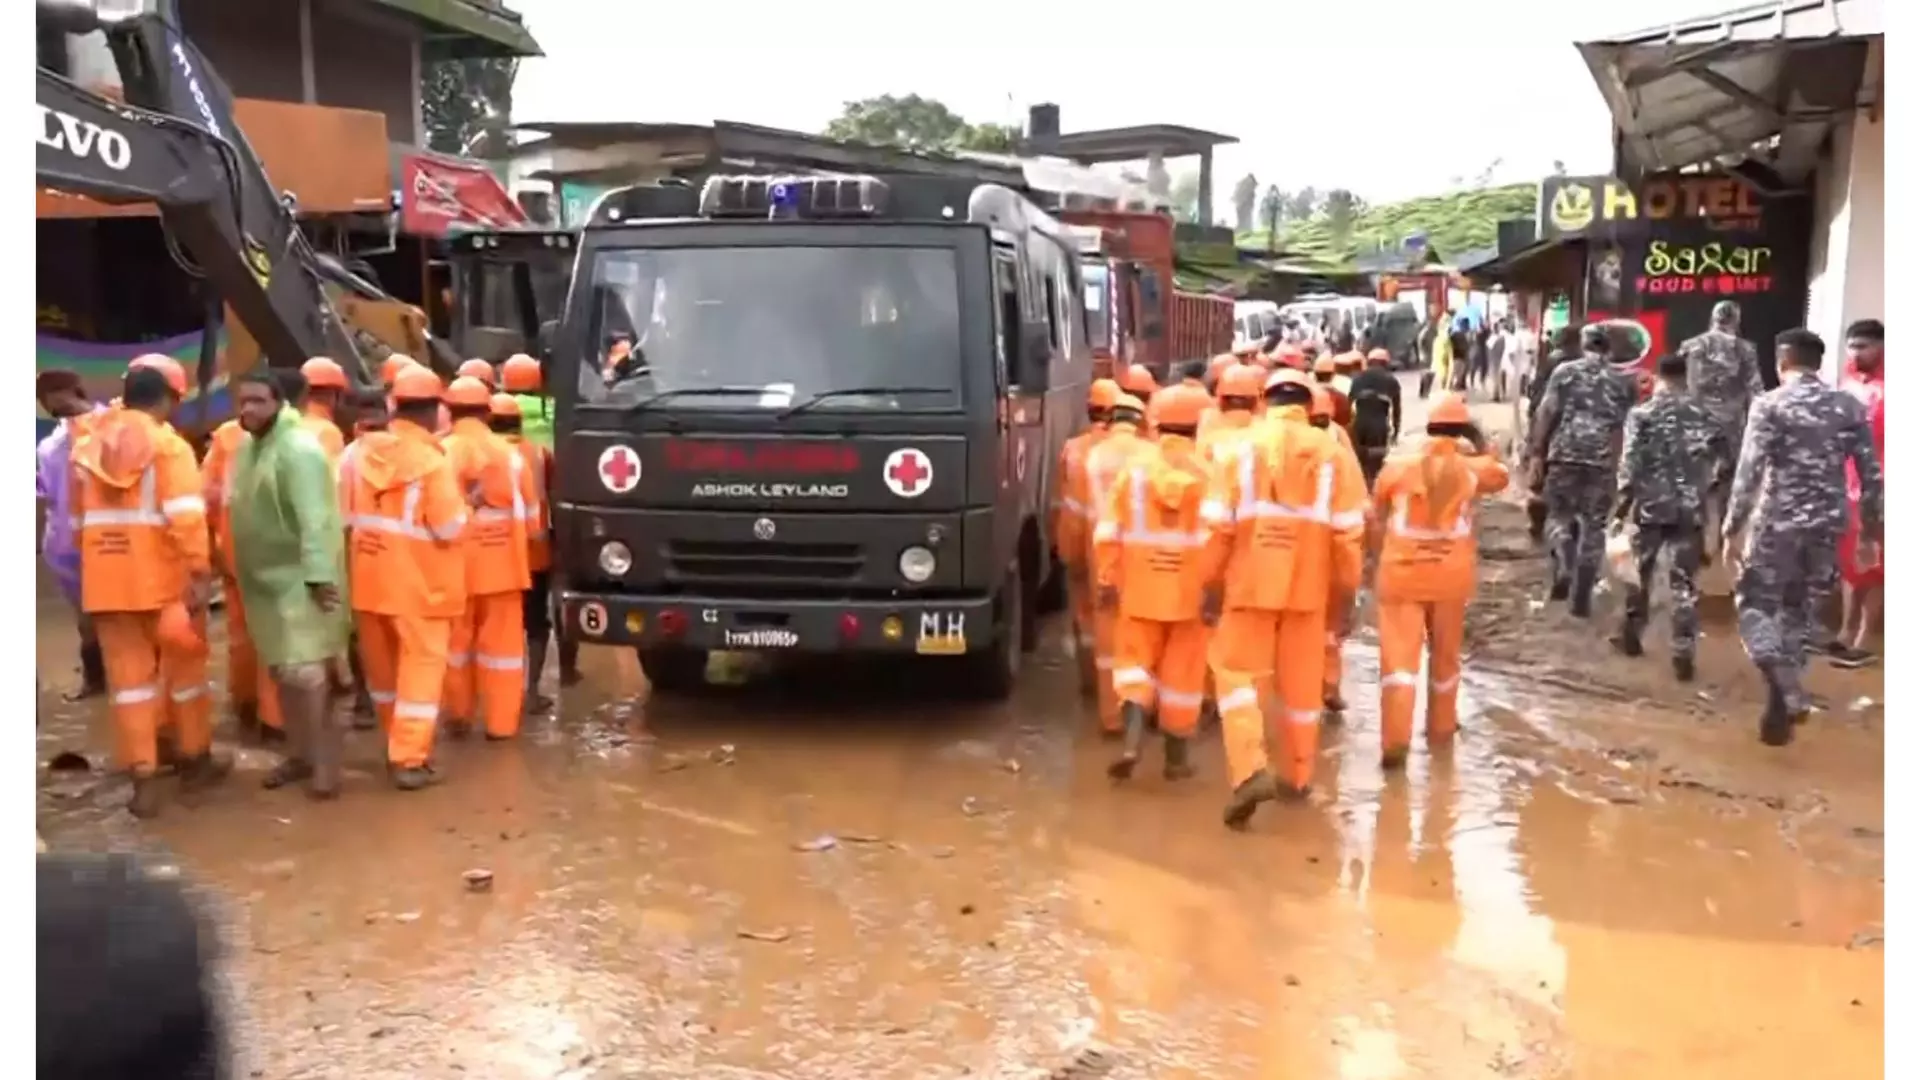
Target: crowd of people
391,545
1783,485
1216,531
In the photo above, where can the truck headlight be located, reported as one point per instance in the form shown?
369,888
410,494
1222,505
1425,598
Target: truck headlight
616,559
916,564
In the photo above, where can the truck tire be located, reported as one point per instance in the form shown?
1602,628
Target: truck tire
992,673
672,670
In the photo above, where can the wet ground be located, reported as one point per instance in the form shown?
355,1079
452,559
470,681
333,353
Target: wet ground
1606,877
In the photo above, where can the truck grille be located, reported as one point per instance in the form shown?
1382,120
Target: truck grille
700,561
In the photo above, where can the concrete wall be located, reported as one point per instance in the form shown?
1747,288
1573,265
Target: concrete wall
343,53
1848,276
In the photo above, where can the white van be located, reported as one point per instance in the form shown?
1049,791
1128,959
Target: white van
1253,320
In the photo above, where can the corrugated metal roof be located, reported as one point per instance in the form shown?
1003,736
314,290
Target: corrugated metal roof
1731,84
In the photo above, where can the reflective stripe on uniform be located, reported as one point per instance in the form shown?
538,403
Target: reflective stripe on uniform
1132,676
1140,533
416,710
148,511
187,693
1461,529
134,695
493,662
408,523
1399,678
459,659
1244,698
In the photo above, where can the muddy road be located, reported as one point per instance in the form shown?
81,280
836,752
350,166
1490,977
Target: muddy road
1606,877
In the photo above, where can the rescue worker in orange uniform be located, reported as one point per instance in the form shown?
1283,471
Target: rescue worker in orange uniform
1290,355
1423,506
476,369
1071,527
1218,366
326,386
255,698
407,580
1147,555
392,366
1285,533
1339,604
536,477
1108,460
145,578
486,659
1238,406
1326,374
521,376
370,413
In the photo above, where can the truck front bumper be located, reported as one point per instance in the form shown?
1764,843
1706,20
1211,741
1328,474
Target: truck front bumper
924,627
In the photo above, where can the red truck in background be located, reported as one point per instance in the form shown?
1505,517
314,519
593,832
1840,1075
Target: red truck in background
1135,314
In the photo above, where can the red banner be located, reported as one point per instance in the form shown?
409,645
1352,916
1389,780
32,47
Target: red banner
439,197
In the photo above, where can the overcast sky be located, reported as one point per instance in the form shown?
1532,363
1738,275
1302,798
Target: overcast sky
1389,98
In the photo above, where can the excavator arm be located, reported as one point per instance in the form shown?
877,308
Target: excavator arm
175,143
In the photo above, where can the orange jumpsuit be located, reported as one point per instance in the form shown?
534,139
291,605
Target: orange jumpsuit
141,527
249,685
487,654
1339,603
1286,528
1106,461
404,515
1423,506
1070,528
1147,547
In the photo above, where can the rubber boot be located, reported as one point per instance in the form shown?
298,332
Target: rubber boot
537,703
93,674
1776,723
1580,605
569,660
1536,519
1133,726
414,778
204,771
147,798
1562,579
1628,639
1683,668
365,718
1393,759
246,721
1247,798
314,737
1178,765
328,753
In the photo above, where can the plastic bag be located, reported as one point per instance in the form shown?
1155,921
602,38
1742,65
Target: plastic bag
1620,564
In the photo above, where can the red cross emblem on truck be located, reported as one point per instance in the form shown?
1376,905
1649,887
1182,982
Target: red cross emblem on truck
619,469
908,472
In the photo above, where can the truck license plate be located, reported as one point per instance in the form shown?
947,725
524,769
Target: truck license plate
766,638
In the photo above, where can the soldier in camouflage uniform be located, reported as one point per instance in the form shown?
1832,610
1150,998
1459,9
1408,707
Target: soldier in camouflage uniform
1723,371
1573,442
1785,513
1671,444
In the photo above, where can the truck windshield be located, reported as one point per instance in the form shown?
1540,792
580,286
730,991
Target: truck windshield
1094,275
781,325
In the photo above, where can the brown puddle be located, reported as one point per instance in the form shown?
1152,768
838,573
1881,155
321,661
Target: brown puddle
738,887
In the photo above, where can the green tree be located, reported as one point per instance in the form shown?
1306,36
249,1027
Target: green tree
468,106
916,123
1302,204
1245,193
1341,208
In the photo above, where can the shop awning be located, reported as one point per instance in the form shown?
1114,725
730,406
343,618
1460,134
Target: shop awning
463,28
1766,81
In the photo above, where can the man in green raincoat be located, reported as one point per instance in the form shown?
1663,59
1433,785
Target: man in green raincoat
289,561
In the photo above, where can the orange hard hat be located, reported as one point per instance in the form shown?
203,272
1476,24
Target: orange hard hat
1379,356
323,374
176,375
1102,394
1138,381
1218,366
1128,401
177,632
392,366
1324,365
1242,381
1288,376
475,369
443,420
520,374
1291,355
1450,409
467,391
1181,406
415,383
1349,361
503,406
1321,403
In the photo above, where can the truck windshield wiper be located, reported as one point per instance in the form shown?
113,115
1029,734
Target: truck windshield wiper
691,391
848,391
